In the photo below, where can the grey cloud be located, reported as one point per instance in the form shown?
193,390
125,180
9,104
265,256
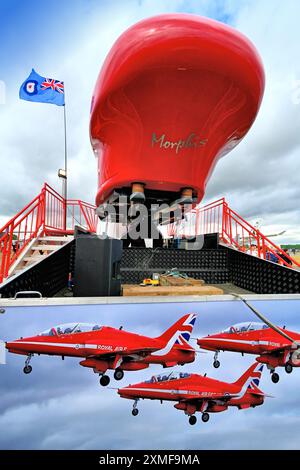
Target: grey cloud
264,166
260,174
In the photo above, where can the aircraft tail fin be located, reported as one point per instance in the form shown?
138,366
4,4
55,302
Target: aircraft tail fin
180,332
249,381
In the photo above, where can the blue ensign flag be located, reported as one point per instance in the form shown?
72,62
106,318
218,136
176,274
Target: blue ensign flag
42,90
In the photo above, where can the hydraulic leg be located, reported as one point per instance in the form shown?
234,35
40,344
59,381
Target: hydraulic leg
137,192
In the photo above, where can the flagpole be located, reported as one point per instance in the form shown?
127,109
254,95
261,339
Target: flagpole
65,192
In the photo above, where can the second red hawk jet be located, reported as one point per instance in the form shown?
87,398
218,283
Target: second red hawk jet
103,347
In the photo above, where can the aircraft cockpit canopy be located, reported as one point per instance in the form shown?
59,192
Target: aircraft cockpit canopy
166,377
245,326
71,328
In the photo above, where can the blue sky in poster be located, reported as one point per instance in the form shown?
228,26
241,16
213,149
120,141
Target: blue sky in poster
60,405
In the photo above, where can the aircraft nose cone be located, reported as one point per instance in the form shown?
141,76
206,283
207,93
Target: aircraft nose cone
123,391
204,342
13,345
201,341
126,391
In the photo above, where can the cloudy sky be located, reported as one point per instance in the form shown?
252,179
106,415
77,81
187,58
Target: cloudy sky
61,405
260,178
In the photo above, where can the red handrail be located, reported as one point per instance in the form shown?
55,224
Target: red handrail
262,244
46,214
50,213
218,217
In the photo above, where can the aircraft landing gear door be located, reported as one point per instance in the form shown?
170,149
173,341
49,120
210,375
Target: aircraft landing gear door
2,353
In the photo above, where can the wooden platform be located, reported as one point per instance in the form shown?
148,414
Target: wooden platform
133,289
179,281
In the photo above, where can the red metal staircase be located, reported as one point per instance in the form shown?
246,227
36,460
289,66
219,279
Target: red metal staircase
233,230
41,227
48,221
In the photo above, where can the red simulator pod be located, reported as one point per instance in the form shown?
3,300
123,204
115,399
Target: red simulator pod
176,92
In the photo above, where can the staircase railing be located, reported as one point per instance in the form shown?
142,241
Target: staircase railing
247,238
48,213
81,213
218,217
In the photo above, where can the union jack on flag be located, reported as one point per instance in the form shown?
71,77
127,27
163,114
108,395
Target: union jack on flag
55,85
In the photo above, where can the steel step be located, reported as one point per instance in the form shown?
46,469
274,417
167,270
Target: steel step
45,247
34,258
56,239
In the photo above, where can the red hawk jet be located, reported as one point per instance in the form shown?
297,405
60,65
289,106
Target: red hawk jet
274,346
104,348
194,392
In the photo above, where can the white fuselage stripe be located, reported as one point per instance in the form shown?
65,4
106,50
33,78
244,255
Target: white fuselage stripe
164,390
62,345
244,341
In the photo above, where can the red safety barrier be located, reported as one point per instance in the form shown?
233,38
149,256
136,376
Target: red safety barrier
47,214
218,217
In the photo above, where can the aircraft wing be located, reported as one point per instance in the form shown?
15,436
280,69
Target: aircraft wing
209,396
283,347
125,352
260,394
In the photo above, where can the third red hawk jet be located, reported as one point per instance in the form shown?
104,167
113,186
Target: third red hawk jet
194,392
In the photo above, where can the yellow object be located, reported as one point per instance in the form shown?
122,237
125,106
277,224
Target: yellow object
151,282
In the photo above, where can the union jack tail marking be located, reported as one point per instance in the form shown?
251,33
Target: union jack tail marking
249,381
178,334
